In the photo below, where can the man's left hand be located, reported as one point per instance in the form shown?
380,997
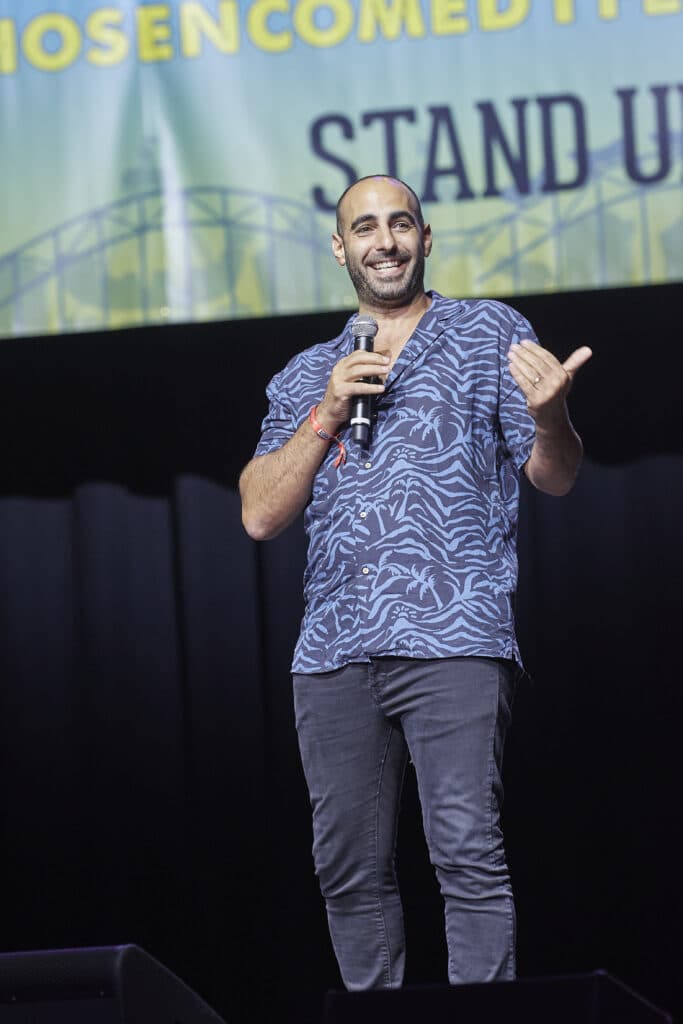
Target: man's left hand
543,379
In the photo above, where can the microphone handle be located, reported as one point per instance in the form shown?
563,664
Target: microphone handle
361,407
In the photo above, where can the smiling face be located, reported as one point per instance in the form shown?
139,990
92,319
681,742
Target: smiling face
382,243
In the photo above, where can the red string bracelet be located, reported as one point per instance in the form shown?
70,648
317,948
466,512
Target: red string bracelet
321,432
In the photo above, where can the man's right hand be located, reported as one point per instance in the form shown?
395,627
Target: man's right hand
276,487
346,382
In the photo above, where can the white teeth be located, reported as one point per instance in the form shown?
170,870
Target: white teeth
387,264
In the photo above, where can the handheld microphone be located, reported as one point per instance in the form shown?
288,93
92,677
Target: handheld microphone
364,328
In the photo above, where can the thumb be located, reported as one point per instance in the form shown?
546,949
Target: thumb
577,359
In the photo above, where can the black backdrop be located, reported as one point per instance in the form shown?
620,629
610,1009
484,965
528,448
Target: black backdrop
150,784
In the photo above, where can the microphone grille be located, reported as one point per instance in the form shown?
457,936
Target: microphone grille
364,326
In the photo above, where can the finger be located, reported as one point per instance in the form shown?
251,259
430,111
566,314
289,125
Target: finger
530,370
362,354
522,379
540,359
545,361
365,374
358,387
361,370
577,359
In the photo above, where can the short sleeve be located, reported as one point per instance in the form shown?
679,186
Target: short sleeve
517,425
280,422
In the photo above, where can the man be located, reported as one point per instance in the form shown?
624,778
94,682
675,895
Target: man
407,647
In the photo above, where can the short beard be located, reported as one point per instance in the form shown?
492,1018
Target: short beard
399,294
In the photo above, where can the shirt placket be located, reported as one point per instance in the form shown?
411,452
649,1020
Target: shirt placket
364,537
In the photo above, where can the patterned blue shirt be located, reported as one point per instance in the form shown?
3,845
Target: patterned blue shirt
412,543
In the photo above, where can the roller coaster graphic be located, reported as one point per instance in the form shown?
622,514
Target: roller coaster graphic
193,254
211,253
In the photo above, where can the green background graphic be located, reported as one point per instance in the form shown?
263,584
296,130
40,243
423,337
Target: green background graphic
177,161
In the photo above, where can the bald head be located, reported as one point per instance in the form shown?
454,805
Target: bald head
412,201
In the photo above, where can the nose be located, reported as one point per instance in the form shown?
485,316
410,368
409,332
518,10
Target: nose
385,238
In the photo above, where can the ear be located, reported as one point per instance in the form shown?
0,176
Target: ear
338,250
427,238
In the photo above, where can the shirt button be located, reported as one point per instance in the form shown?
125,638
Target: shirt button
365,570
363,515
368,465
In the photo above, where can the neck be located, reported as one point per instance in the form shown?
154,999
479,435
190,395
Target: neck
397,325
389,315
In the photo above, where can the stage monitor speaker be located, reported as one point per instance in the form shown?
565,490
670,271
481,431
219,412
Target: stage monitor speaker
99,985
594,998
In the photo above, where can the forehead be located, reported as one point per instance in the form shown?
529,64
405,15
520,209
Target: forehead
376,197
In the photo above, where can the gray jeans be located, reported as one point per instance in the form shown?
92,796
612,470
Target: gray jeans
357,726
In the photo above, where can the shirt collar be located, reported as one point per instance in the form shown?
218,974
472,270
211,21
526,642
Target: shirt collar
440,311
432,325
